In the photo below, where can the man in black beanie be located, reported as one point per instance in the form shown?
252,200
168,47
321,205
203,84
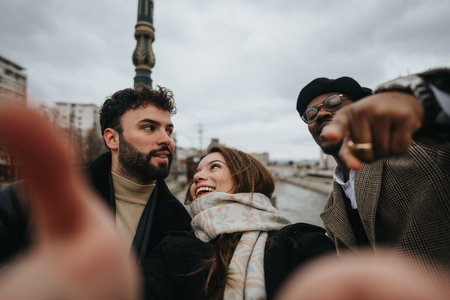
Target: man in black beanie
389,189
333,94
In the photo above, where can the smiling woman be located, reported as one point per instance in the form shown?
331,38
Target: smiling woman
212,175
231,171
241,246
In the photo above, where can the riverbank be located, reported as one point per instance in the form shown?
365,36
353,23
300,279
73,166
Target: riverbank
318,184
299,204
177,183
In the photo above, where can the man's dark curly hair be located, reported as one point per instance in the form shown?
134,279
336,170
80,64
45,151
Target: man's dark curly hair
115,106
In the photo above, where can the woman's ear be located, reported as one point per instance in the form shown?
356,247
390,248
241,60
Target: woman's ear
111,138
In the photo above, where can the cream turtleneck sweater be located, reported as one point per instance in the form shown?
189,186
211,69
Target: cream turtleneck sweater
131,199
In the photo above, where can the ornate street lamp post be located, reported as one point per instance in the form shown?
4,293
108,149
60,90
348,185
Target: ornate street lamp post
143,57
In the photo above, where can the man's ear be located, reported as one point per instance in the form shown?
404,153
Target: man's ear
111,138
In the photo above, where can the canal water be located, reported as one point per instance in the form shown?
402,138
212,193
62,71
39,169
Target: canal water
299,204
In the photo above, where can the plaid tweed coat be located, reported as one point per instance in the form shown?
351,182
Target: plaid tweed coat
403,202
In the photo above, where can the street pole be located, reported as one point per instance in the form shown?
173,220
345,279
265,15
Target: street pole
143,57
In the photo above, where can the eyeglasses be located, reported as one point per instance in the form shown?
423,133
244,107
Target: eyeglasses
330,104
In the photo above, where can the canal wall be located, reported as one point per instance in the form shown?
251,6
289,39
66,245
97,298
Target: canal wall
317,184
177,184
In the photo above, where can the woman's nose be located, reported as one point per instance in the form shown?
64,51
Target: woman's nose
198,177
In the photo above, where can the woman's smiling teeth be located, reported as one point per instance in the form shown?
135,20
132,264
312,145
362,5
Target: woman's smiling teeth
203,190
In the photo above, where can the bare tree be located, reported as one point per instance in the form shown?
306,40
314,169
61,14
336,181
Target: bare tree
93,144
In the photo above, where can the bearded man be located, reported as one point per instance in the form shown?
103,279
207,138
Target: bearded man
137,129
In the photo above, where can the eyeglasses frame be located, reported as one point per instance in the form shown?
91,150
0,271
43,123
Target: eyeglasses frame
319,107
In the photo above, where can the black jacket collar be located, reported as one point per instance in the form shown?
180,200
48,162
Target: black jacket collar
162,214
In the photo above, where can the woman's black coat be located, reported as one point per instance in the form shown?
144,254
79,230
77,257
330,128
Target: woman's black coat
181,253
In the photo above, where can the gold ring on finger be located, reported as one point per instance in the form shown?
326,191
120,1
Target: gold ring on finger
359,146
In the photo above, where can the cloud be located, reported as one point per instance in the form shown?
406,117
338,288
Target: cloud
235,67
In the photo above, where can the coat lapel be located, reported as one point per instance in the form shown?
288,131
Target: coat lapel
142,241
367,192
336,219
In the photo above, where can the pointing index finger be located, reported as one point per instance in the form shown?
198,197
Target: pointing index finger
339,130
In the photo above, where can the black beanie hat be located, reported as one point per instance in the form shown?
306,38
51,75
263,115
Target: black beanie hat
344,85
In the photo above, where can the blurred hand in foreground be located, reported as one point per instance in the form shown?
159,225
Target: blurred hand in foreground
377,126
386,276
77,252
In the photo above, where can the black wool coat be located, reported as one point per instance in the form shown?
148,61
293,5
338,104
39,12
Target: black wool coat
162,214
168,271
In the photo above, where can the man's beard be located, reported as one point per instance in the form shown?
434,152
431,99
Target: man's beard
137,165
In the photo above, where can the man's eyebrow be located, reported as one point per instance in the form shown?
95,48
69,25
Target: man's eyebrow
151,121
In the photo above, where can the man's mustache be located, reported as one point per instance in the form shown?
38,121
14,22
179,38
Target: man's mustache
163,148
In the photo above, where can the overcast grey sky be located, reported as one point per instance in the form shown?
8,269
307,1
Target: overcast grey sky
235,66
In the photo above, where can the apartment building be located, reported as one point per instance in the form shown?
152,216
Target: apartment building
79,117
13,87
13,81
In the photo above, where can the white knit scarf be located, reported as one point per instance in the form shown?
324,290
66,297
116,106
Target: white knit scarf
252,214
